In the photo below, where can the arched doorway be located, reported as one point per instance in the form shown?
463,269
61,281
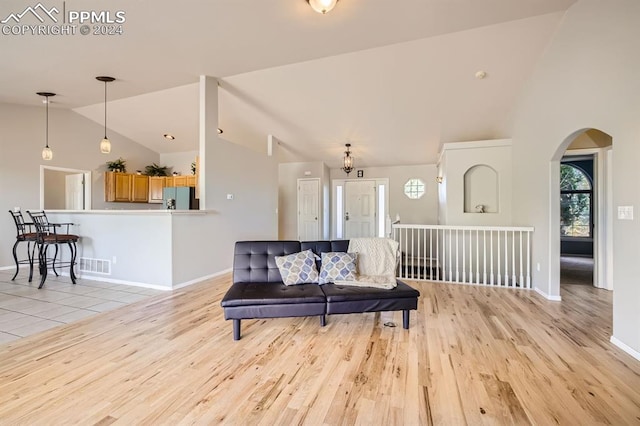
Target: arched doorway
590,192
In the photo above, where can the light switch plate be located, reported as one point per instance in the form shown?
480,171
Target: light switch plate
625,212
229,196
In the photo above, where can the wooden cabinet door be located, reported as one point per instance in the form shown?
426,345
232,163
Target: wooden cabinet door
156,185
168,181
180,181
139,188
117,186
191,180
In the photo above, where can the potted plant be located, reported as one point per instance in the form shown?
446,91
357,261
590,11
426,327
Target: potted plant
193,168
119,165
156,170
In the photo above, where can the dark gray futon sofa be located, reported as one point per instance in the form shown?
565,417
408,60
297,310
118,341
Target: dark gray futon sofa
258,291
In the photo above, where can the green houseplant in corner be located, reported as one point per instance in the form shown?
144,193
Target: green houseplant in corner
156,170
119,165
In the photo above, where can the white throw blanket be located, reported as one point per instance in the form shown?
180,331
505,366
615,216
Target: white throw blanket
377,260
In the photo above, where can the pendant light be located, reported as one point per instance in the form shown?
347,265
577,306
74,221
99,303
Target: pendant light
47,154
105,145
322,6
347,164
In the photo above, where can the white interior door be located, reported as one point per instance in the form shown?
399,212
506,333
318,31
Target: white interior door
74,192
360,209
308,209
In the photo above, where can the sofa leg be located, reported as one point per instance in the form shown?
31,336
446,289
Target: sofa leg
236,329
323,320
405,319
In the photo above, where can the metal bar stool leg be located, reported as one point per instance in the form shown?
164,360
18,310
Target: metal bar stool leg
42,260
55,256
72,263
31,253
15,258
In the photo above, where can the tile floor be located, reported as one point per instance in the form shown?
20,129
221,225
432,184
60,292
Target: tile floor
25,310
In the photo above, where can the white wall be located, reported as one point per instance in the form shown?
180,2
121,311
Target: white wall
456,160
54,198
423,210
75,143
179,161
252,179
169,249
588,78
288,175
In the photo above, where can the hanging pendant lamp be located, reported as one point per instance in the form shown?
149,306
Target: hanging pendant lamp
347,164
105,145
47,154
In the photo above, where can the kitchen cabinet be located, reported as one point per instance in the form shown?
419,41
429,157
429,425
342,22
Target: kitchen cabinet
126,187
180,181
139,188
156,185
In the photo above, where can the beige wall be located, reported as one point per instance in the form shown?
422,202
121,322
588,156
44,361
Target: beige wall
75,143
420,211
288,175
54,197
456,160
588,78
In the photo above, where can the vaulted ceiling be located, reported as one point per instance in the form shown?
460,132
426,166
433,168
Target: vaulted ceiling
396,79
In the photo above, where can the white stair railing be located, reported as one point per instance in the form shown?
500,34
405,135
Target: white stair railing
484,255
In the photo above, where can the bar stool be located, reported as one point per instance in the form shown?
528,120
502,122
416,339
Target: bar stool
25,233
47,234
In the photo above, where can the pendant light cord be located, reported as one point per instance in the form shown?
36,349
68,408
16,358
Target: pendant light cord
105,110
47,122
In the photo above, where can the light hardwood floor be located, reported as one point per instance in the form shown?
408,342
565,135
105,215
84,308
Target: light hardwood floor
472,356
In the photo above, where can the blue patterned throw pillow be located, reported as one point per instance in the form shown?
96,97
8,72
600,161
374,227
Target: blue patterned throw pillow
337,266
298,268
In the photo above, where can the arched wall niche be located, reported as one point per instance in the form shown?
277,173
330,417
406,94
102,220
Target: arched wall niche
481,191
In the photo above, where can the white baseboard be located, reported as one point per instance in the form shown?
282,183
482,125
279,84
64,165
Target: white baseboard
625,348
200,279
147,285
546,296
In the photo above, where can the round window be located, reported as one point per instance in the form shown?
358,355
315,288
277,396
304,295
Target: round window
414,188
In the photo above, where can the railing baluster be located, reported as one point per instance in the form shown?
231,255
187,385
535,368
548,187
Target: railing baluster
457,256
484,254
521,266
528,259
513,259
464,255
438,257
493,263
491,254
477,257
506,259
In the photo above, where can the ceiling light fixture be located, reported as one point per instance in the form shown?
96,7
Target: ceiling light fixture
347,164
105,145
47,154
168,136
322,6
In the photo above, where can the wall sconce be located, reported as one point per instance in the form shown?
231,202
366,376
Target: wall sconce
347,164
439,179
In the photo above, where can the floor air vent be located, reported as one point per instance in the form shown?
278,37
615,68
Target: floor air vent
95,266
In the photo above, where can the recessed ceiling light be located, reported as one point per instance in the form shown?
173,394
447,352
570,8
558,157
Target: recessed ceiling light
168,136
481,74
